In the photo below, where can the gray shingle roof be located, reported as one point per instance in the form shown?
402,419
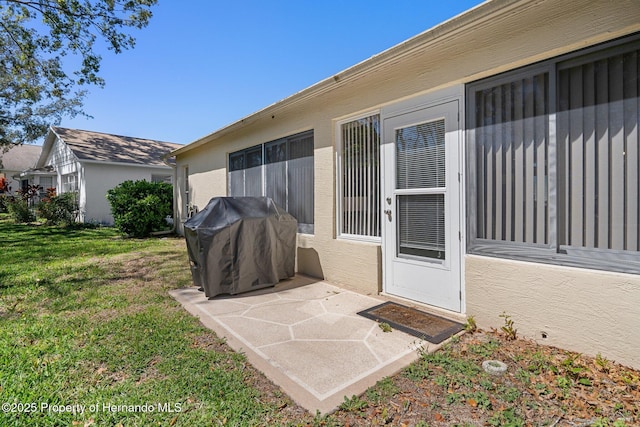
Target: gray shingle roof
19,157
96,146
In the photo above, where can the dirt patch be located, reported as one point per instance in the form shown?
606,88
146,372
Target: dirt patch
542,386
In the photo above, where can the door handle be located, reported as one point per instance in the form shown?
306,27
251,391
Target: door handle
388,212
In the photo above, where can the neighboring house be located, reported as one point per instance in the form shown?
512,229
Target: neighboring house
15,160
488,165
91,163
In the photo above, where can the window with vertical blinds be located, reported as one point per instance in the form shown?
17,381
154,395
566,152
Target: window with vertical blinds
554,153
282,170
359,178
598,113
511,136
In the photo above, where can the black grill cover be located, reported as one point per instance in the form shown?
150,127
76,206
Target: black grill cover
239,244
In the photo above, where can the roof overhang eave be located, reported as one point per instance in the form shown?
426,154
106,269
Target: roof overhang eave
474,15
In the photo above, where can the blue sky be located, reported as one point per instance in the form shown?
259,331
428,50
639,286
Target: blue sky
203,64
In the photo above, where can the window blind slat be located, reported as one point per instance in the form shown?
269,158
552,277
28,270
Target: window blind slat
490,166
509,219
518,142
576,158
602,136
529,142
589,155
498,163
540,171
616,131
631,115
480,156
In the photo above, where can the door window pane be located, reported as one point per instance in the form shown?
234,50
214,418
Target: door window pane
420,156
421,225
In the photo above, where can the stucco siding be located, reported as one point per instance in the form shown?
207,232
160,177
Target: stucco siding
98,179
585,310
589,311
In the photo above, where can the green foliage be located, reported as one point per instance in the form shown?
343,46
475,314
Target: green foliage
510,332
385,327
59,209
77,331
384,390
19,210
140,207
36,86
471,326
355,404
506,418
4,200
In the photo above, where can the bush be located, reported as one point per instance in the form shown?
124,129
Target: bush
4,200
59,210
140,207
19,210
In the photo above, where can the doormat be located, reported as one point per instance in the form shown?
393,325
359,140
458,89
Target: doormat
434,329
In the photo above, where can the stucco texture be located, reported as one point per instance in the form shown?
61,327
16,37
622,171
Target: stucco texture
580,309
588,311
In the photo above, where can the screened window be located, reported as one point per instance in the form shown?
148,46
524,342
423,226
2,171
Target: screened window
281,169
45,182
554,155
69,183
359,178
186,198
162,178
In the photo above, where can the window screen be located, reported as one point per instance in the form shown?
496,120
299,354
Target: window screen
359,177
281,169
554,153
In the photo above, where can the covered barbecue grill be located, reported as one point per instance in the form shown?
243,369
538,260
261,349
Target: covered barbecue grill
240,244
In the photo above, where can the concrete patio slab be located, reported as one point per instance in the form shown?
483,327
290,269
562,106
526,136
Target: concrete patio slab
306,337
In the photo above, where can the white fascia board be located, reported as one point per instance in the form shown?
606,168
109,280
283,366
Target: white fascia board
102,162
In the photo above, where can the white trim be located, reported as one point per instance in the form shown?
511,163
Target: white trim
423,101
140,165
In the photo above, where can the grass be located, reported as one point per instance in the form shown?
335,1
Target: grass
86,320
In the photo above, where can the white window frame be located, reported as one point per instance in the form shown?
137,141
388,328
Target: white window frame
68,185
339,178
186,193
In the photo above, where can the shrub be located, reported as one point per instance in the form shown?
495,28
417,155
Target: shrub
140,207
59,209
4,199
19,210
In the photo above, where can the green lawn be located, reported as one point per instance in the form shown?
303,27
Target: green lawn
86,321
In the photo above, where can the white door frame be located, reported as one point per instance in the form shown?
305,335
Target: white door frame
424,101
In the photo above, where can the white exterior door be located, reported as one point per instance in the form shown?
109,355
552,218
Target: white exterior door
422,192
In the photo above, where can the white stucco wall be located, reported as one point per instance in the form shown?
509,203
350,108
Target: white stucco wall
519,33
99,178
8,174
